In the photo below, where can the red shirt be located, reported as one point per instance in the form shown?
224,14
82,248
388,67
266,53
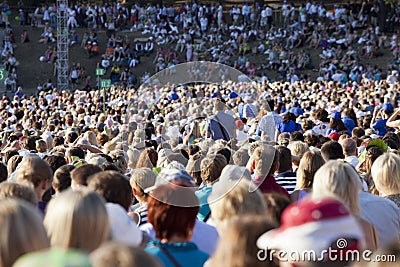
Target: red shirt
269,185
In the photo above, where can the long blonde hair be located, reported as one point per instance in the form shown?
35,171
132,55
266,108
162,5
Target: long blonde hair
22,230
236,249
338,179
77,219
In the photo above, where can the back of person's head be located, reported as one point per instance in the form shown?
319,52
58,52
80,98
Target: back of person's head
358,132
193,167
226,152
41,146
62,178
298,148
211,168
55,162
13,164
372,154
71,137
102,138
276,204
107,166
118,255
193,149
3,172
309,165
236,249
36,171
322,115
15,190
338,179
385,172
80,175
168,219
297,136
229,200
147,159
285,159
75,152
58,141
113,186
264,161
332,150
77,220
349,147
311,140
30,143
240,157
120,160
23,230
141,179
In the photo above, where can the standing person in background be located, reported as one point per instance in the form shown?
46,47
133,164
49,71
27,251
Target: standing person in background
5,12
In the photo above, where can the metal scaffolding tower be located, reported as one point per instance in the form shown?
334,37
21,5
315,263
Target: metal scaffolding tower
62,45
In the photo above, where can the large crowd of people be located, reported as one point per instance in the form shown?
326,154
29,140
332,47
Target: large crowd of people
259,40
229,173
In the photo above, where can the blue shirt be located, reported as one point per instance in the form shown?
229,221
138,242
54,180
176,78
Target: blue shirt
349,124
289,127
380,127
186,254
202,194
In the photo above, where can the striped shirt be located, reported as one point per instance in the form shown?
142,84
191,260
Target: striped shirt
287,180
142,212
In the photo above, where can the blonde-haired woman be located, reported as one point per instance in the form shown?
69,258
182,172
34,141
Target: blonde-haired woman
22,231
309,165
298,149
340,180
77,220
230,200
116,254
385,173
238,250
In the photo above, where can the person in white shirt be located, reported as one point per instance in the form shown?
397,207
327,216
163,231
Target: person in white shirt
203,23
350,151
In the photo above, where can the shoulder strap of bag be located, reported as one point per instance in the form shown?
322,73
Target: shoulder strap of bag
170,257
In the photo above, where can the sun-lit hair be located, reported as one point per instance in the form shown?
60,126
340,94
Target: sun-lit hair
21,191
77,219
298,148
211,168
237,249
385,172
115,254
22,230
264,159
41,146
309,165
232,200
338,179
